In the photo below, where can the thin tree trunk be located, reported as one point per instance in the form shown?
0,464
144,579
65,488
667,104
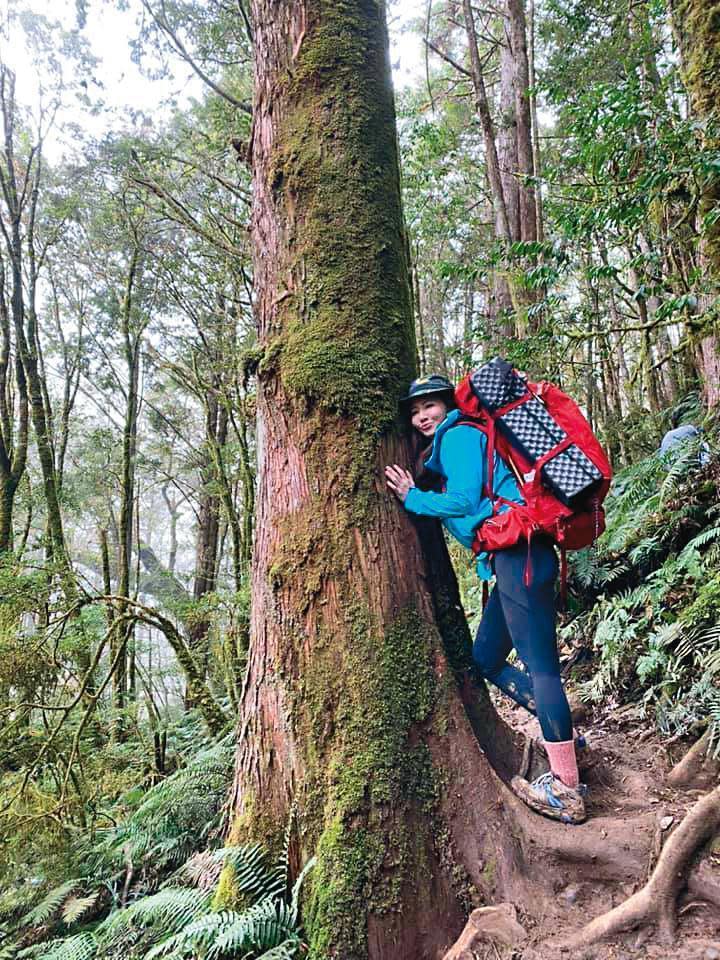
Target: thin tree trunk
483,109
537,167
508,163
523,123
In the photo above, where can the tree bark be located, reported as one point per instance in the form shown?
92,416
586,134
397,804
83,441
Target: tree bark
503,229
208,532
507,161
350,708
21,205
523,124
539,226
695,23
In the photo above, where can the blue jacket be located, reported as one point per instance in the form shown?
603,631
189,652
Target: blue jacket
460,456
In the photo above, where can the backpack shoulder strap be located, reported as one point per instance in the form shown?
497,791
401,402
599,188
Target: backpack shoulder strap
487,426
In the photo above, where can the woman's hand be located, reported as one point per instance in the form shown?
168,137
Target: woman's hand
399,481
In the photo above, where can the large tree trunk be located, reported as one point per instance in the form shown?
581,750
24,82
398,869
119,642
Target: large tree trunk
350,707
695,23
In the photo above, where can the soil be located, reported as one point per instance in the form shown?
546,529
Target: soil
631,813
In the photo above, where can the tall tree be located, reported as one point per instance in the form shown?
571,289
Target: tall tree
350,708
696,26
21,179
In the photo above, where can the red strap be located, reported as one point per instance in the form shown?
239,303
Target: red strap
485,594
527,576
489,492
501,411
553,452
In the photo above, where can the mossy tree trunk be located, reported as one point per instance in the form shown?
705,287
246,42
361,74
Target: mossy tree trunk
697,26
351,708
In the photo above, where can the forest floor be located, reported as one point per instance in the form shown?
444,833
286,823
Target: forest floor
632,811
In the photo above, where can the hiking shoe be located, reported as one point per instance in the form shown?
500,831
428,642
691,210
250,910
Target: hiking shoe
551,797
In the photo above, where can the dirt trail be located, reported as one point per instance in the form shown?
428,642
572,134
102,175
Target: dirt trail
596,866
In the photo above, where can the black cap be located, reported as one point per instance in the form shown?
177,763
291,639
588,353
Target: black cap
423,386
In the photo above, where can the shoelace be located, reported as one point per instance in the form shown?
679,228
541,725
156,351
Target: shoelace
544,780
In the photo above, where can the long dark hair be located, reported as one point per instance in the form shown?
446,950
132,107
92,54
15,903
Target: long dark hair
426,479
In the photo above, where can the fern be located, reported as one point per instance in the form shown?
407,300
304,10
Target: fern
168,910
50,904
177,816
297,886
714,724
82,946
268,924
705,537
684,460
76,907
253,874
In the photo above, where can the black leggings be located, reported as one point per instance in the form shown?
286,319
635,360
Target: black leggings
524,618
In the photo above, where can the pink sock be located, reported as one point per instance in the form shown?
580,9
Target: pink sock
563,762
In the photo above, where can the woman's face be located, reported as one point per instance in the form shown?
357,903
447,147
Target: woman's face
426,414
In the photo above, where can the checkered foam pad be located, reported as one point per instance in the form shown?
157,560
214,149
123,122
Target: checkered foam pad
496,384
570,474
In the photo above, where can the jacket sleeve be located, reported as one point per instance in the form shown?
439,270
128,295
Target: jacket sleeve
462,457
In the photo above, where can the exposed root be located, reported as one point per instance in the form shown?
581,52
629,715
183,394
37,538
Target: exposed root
496,924
555,845
657,899
695,766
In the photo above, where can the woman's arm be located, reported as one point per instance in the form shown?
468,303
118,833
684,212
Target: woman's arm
462,458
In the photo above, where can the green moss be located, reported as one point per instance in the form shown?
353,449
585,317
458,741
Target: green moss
698,26
227,896
488,873
348,338
376,771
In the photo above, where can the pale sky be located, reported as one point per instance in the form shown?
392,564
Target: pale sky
109,31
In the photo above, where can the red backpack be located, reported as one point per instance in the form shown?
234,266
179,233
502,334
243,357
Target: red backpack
562,472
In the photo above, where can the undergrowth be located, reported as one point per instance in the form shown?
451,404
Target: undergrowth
145,886
647,596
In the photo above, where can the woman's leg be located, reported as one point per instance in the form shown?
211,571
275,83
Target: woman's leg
490,650
529,615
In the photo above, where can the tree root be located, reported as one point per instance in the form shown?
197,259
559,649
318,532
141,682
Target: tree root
695,765
657,899
496,924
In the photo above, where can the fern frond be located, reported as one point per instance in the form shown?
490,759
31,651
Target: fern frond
714,725
202,870
253,874
76,907
297,886
646,548
83,946
269,924
706,536
177,815
50,904
284,862
685,458
283,951
169,910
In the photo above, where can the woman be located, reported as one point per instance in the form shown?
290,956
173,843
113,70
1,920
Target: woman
517,615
